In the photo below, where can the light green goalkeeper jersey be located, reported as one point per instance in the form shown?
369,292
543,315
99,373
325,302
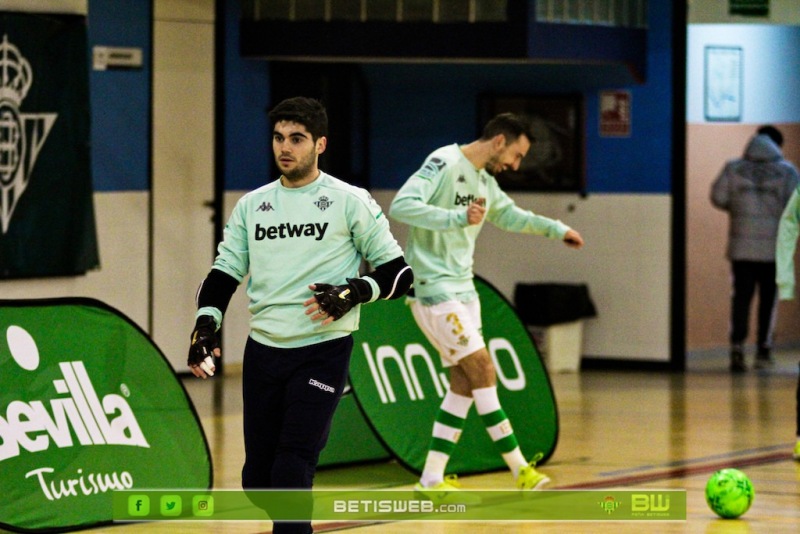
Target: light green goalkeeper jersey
289,238
441,244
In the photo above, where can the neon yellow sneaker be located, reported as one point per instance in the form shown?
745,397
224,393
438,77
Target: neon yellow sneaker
446,492
796,452
529,478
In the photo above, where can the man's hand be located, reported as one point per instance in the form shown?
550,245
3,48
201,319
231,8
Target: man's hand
573,239
330,302
476,211
204,345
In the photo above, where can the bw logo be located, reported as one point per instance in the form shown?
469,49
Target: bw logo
21,134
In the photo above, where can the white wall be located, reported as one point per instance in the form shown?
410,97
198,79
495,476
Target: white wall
121,280
627,237
771,61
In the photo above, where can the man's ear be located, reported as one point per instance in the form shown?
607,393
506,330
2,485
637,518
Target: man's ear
499,141
322,144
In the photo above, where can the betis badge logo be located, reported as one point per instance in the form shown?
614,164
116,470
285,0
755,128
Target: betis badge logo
22,135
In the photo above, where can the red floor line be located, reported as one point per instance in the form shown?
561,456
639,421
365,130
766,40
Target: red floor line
680,472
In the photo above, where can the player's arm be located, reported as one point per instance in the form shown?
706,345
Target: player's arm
213,297
505,214
410,205
788,231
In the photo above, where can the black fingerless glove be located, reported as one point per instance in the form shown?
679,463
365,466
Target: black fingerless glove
338,300
204,340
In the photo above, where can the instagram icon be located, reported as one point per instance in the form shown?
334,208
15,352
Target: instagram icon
203,505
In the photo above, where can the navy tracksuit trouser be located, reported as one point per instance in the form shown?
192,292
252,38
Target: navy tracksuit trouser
290,396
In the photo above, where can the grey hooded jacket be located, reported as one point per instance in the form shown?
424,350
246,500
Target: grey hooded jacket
754,190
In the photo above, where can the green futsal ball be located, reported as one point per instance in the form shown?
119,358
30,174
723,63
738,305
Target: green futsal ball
729,493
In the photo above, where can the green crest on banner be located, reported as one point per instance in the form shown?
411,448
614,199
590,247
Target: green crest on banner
88,405
399,383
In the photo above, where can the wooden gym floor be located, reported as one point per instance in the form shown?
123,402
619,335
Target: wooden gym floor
618,430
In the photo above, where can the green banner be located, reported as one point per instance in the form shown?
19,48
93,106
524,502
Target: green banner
348,421
47,225
399,384
88,406
395,505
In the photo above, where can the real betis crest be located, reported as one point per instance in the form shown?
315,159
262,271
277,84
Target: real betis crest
323,203
22,135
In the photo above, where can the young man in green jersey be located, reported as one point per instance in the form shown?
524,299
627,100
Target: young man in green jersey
301,239
446,203
786,244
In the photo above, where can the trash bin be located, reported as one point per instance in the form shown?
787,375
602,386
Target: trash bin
554,314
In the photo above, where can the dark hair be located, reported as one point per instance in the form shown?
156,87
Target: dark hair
306,111
773,133
510,125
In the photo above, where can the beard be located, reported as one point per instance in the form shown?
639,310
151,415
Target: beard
493,167
301,170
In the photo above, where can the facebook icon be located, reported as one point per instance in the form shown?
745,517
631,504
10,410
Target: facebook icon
138,505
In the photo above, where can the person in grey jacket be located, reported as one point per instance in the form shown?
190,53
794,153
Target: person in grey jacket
754,191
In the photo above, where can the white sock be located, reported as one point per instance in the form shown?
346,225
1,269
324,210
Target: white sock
446,431
487,402
433,473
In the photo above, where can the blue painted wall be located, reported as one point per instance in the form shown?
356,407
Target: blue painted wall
248,150
415,108
120,99
643,162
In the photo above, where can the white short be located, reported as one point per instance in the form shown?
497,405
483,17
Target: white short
454,328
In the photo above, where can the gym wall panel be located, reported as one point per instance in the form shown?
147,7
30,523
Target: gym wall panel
183,169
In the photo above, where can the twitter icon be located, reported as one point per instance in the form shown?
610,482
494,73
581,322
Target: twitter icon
171,505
